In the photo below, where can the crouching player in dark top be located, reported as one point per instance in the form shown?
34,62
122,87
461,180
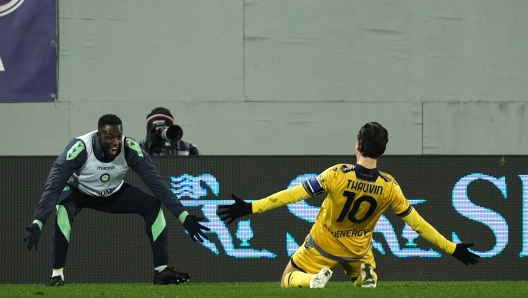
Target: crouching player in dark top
90,174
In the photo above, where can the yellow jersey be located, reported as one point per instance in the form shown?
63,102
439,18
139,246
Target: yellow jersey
356,198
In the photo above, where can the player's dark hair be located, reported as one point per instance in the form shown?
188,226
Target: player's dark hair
373,139
109,119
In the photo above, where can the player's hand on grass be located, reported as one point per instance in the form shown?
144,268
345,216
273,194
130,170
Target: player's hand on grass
464,255
32,236
194,228
236,210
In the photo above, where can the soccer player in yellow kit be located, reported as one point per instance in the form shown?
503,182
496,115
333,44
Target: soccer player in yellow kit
357,195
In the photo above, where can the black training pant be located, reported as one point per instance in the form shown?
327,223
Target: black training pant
128,200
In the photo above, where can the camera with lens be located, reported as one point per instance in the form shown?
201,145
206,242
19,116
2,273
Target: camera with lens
159,135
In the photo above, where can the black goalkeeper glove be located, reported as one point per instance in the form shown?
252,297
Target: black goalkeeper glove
194,228
464,255
236,210
32,236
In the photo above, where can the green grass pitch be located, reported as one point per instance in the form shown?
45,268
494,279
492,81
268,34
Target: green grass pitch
477,289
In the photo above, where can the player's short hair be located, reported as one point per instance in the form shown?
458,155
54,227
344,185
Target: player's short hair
109,119
373,139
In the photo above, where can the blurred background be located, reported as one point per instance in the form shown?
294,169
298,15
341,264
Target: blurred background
276,77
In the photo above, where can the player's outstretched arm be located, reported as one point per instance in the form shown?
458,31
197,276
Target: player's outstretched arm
241,208
238,209
464,255
424,229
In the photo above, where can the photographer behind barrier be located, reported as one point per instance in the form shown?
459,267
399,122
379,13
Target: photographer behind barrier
164,137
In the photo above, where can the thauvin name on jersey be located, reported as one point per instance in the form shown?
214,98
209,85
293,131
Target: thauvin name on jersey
366,187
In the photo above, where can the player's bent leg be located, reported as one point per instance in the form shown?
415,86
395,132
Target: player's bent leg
367,277
362,272
158,236
61,235
61,241
299,279
132,200
307,268
294,278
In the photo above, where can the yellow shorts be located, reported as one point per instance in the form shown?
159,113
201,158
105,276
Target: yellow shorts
311,261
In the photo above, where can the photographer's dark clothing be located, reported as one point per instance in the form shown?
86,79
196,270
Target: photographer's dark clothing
180,147
164,136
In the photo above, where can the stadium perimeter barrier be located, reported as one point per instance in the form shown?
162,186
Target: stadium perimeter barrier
480,199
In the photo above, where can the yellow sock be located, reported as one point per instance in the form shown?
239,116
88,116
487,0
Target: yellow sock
297,279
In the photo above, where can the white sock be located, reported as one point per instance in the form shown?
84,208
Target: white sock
57,272
160,268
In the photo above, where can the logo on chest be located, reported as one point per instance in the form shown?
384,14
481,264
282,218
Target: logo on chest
101,168
105,177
